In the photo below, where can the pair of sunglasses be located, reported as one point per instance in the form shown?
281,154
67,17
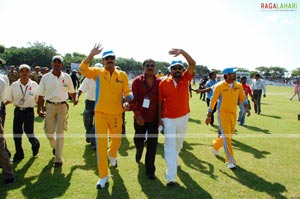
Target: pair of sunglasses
177,67
110,58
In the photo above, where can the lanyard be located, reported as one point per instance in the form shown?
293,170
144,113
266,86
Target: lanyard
23,92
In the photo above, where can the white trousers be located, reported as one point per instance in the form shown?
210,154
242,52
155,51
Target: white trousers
174,130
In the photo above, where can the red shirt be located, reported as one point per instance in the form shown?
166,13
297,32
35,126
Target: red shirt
140,91
175,100
247,89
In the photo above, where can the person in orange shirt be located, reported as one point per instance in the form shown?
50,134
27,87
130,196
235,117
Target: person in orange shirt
111,85
173,110
227,93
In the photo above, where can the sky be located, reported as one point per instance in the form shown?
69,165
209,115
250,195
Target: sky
216,33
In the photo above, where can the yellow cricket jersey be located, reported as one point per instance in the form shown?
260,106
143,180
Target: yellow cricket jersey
110,89
227,96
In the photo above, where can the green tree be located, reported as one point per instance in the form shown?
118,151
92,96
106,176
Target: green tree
296,72
2,49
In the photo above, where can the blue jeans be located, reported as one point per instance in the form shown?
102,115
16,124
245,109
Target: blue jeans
88,120
242,113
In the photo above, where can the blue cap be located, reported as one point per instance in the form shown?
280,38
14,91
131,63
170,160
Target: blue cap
176,62
229,70
108,53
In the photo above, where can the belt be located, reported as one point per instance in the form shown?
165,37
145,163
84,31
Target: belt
64,102
23,108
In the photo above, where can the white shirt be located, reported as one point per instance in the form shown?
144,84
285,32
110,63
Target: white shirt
4,87
89,87
259,85
55,89
18,91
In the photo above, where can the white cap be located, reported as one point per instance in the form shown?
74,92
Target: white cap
58,57
22,66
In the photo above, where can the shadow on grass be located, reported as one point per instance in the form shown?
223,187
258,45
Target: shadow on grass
249,149
256,183
197,121
257,129
272,116
50,184
20,178
125,146
193,162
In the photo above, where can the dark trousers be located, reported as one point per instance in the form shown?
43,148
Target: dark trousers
214,110
257,96
151,143
23,119
3,114
88,120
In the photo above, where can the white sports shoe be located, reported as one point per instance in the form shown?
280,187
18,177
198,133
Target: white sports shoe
101,182
113,161
215,152
231,166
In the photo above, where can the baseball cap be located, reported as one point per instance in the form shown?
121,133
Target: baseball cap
22,66
58,57
176,62
229,70
108,53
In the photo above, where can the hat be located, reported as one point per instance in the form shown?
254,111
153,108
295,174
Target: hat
108,53
98,65
229,70
37,67
58,57
22,66
176,62
2,61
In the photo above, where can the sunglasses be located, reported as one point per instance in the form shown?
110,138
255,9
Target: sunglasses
110,58
177,67
149,65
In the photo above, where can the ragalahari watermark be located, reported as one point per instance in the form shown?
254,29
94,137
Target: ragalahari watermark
278,6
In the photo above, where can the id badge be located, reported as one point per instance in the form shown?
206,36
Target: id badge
146,103
21,102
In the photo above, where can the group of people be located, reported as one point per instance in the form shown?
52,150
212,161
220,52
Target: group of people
154,101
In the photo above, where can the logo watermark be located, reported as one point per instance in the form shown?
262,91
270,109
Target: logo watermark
267,6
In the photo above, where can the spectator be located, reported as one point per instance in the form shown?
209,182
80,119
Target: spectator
36,75
258,87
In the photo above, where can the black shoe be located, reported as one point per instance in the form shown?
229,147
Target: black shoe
9,181
88,140
35,149
57,164
151,176
18,158
53,152
171,184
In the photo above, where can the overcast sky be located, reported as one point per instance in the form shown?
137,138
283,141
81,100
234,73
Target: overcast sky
216,33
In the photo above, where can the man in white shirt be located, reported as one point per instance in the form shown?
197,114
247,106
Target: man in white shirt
258,87
22,93
88,86
8,172
54,88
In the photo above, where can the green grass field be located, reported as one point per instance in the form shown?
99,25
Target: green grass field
267,151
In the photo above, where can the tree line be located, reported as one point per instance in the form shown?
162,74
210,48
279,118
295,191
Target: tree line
39,54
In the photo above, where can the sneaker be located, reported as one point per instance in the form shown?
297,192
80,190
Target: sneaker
101,182
215,152
113,161
57,164
231,166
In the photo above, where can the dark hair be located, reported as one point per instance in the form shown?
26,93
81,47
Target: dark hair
148,60
257,75
244,77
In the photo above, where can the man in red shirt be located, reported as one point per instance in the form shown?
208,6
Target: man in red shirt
145,107
248,91
173,111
